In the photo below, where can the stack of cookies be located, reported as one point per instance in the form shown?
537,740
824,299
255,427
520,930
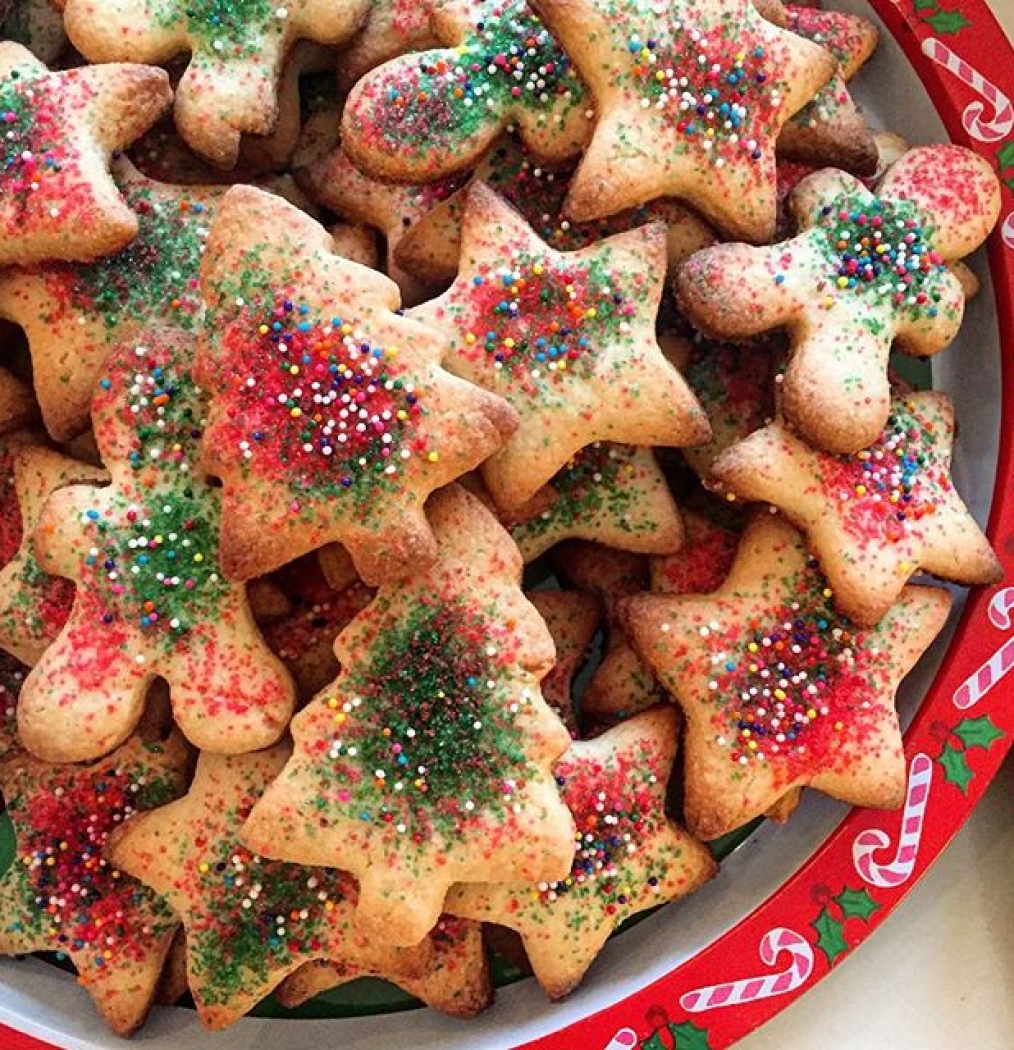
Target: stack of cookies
430,434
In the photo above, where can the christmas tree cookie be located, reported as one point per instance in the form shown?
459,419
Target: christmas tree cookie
427,761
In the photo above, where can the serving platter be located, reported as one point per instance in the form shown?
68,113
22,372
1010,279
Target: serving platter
792,902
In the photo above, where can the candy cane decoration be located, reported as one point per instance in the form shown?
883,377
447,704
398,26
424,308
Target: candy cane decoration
1001,123
625,1039
872,840
751,989
1007,230
979,683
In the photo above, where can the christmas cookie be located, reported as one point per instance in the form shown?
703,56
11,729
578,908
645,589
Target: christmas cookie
432,245
391,210
392,28
611,494
829,129
427,761
61,893
37,25
572,618
865,271
73,315
34,606
249,922
425,115
456,982
330,420
628,855
779,689
702,564
237,54
57,199
568,338
874,518
689,100
151,599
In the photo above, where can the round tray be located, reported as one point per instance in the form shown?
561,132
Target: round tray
701,975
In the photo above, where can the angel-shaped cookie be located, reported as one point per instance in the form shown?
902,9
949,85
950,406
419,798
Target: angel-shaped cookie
236,55
151,599
428,760
331,419
568,338
57,199
779,690
427,114
865,271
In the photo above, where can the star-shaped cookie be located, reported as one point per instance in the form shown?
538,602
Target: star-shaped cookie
151,599
34,605
230,86
427,761
456,982
249,921
62,894
611,494
427,114
331,419
568,338
73,315
875,518
431,246
57,199
628,855
780,690
392,28
866,271
689,100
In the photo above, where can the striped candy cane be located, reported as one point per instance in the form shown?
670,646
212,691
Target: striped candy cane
751,989
625,1039
1007,230
899,870
1001,123
979,683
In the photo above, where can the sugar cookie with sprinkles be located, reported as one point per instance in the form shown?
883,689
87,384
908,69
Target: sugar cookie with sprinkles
611,494
151,599
572,619
237,53
427,761
875,518
568,338
432,245
456,982
780,690
689,100
249,921
428,114
34,605
392,28
829,129
74,315
57,198
391,209
866,271
61,894
330,420
628,855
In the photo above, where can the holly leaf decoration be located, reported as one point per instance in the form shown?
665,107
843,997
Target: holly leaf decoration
857,904
653,1042
1009,183
1005,155
829,936
978,732
924,5
687,1036
948,21
955,765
